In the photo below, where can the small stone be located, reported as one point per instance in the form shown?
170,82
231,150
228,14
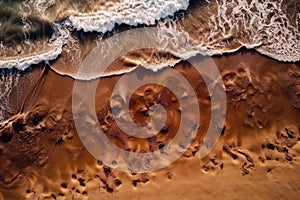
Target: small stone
19,49
64,185
82,184
245,171
81,181
223,130
133,173
222,165
164,130
206,168
288,157
135,182
169,175
99,162
114,163
53,196
74,176
107,170
161,145
117,182
214,161
145,178
109,190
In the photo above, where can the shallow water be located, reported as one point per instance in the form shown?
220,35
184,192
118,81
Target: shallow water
34,31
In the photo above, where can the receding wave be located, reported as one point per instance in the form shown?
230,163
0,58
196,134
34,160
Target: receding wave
271,27
35,31
128,12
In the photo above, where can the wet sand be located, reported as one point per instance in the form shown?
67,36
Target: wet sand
256,157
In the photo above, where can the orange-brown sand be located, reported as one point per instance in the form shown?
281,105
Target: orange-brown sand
256,157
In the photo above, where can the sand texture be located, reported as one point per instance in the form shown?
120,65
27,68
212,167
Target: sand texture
256,157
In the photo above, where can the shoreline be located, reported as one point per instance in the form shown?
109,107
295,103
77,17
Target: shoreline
208,36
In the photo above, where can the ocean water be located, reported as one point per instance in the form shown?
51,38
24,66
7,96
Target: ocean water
36,31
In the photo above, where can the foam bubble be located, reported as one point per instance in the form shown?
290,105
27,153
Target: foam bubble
128,12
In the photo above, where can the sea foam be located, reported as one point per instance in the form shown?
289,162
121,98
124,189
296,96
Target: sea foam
128,12
58,39
265,27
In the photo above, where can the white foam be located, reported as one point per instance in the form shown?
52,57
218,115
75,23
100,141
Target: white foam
271,35
128,12
42,5
264,22
7,82
61,34
22,63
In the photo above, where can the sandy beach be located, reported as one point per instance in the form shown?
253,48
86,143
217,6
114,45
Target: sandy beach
155,99
255,157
